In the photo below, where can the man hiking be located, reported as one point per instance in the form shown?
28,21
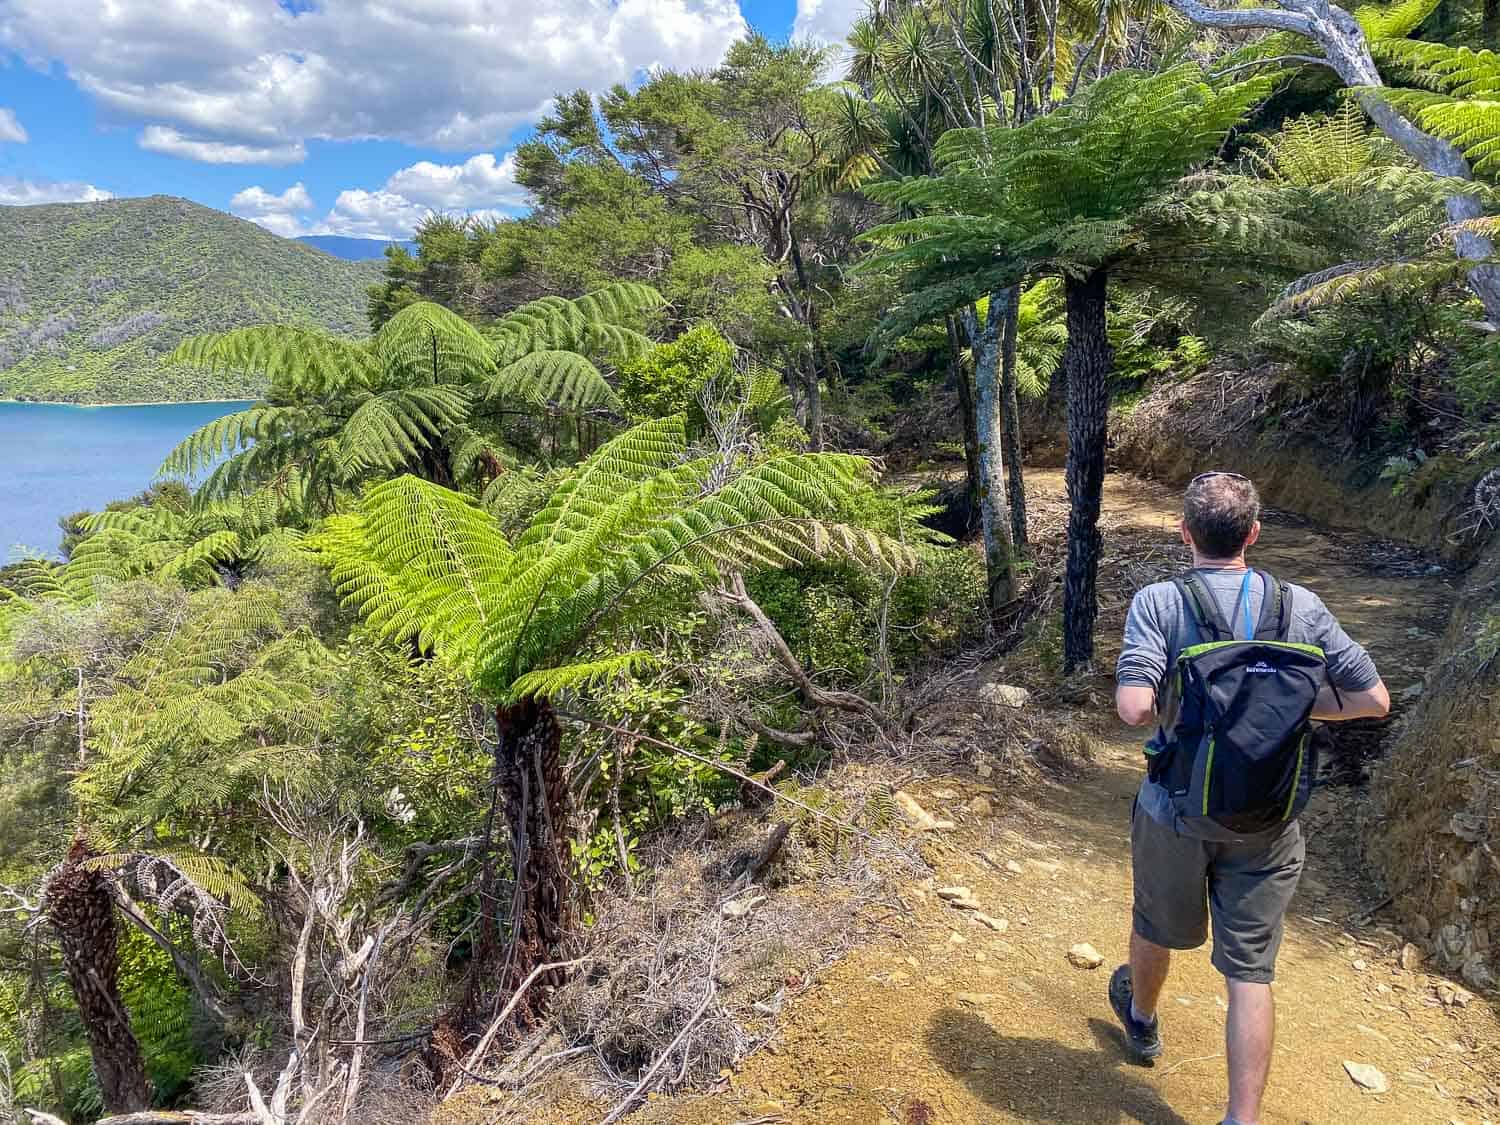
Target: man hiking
1230,665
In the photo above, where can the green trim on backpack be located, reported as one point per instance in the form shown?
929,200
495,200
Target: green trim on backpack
1197,650
1297,776
1208,774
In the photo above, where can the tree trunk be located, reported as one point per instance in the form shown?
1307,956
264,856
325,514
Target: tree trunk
81,910
994,518
959,373
813,390
1087,360
1348,52
533,796
1010,411
808,313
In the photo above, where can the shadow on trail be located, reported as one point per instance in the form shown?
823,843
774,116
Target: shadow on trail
1044,1081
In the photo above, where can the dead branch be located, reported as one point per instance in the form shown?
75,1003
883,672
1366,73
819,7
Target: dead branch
207,994
723,767
487,1040
766,856
710,991
737,597
160,1117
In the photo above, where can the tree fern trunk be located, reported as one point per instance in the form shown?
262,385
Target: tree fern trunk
1087,360
959,373
532,792
1010,416
82,912
994,518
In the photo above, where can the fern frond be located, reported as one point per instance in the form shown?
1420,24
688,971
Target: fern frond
426,344
1353,280
545,683
299,362
418,561
566,378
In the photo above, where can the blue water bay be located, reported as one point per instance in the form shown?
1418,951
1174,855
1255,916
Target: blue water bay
58,459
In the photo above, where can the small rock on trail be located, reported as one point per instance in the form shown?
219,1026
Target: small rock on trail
1005,695
1366,1077
1085,956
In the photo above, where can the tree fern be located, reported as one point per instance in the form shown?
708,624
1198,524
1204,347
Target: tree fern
423,562
339,413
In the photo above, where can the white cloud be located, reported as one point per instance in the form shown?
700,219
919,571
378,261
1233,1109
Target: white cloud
258,201
480,181
372,214
16,192
452,74
10,128
827,21
276,213
168,141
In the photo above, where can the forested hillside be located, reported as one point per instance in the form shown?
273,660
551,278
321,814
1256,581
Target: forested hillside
674,592
351,249
94,296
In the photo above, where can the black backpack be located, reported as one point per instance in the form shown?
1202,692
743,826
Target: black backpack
1235,745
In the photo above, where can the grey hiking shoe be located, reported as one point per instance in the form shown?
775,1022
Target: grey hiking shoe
1144,1038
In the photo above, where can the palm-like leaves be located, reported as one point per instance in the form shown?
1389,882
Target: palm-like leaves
549,351
418,396
423,562
1094,183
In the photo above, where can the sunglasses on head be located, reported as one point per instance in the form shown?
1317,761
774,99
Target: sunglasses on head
1216,473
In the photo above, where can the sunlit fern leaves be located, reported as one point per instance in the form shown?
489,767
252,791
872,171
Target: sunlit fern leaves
338,412
1062,192
546,683
1313,150
425,345
640,516
1351,281
566,378
298,362
1384,23
604,324
389,430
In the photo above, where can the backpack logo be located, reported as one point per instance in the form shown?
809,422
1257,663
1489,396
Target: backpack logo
1262,667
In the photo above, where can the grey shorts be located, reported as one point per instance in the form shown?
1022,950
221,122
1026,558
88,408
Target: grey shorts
1244,887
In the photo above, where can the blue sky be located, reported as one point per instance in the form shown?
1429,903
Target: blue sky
328,116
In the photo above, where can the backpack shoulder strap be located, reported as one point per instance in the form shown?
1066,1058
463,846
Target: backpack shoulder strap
1275,610
1203,608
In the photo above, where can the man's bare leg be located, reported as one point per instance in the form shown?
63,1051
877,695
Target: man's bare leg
1149,963
1249,1036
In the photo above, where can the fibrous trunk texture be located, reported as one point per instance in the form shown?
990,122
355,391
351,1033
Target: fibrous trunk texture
1087,360
81,910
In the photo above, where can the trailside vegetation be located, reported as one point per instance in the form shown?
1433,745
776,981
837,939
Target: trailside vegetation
338,768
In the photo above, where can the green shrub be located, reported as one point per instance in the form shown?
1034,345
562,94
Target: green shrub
670,379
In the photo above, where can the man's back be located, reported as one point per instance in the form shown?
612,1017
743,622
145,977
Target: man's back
1160,625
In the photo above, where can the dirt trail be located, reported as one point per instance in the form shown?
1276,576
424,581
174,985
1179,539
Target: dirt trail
946,1020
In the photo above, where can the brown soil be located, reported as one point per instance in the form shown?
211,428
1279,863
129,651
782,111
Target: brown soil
945,1020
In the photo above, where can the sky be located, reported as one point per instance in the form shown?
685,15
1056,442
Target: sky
352,117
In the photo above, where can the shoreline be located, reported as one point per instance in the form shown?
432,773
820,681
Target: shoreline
101,405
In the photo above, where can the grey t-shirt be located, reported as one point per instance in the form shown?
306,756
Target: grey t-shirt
1159,626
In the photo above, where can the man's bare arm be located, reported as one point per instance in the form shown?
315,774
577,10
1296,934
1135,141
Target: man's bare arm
1136,704
1372,703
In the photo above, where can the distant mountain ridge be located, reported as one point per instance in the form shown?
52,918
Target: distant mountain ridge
354,249
93,296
